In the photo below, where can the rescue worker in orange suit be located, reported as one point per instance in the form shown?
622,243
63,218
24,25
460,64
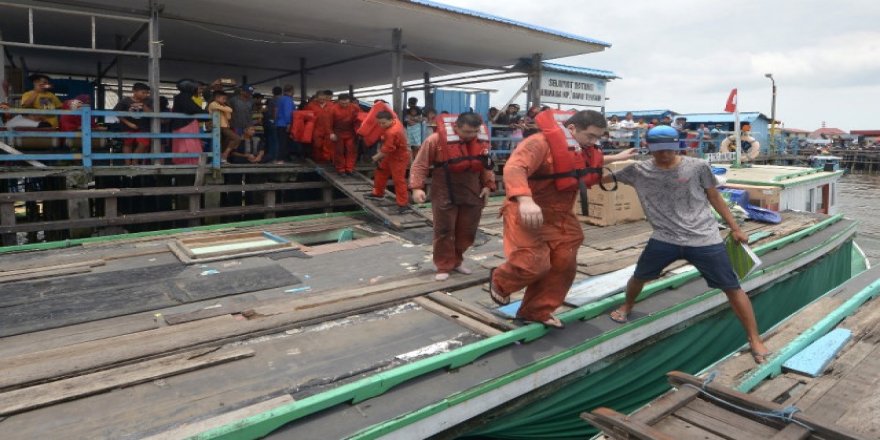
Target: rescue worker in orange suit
462,179
392,160
344,125
541,233
322,143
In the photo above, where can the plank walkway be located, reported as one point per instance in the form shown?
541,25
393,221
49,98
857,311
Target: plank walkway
358,186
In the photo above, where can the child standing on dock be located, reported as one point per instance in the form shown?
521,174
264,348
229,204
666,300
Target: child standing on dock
676,193
229,139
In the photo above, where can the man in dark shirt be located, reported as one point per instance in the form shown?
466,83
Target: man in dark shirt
242,109
250,150
137,102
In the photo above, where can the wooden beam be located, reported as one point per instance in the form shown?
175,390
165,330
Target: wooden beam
37,396
191,430
460,319
826,431
468,309
165,216
617,425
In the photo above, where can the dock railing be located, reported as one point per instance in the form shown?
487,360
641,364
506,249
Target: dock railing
88,136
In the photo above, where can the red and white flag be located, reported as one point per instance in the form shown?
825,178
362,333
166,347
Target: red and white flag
730,107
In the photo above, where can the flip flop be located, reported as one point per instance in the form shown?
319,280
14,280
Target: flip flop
760,358
551,322
619,317
496,298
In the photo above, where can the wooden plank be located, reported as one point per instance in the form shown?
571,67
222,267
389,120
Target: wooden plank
45,267
204,313
826,430
682,430
456,317
792,432
95,355
11,150
35,196
46,273
37,396
722,422
468,309
616,423
166,216
665,405
192,429
776,388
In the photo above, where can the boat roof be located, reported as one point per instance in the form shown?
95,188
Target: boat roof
274,334
775,175
342,42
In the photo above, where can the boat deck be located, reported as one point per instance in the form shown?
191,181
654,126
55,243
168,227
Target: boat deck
839,403
137,337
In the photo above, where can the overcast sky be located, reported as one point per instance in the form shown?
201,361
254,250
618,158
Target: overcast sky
686,55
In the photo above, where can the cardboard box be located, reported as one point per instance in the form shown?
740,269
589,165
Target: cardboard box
612,207
767,197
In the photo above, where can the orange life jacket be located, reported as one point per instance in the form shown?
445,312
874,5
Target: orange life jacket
459,156
575,168
303,127
370,129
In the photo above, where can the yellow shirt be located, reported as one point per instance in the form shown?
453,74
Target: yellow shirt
44,101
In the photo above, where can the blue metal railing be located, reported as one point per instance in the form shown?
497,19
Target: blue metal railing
87,156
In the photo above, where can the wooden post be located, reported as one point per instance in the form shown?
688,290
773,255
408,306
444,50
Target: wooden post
110,210
195,202
7,218
396,70
327,194
269,202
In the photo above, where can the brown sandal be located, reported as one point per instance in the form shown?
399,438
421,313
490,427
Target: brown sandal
496,298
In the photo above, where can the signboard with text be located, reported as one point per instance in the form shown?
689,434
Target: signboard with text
565,88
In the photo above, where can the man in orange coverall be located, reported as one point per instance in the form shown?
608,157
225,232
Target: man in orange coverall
541,234
458,191
344,120
322,144
392,160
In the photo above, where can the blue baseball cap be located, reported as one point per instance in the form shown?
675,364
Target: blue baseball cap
663,137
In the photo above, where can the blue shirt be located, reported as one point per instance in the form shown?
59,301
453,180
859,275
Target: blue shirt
284,111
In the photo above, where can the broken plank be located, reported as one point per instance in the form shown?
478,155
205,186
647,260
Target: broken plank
37,396
666,405
456,317
468,309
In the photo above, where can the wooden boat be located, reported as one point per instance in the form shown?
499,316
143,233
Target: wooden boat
331,326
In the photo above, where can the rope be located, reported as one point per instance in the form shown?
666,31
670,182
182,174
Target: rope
429,63
785,414
256,40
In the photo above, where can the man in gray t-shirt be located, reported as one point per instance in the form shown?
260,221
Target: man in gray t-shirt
675,200
676,193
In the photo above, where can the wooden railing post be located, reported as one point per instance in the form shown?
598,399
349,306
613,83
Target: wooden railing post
7,218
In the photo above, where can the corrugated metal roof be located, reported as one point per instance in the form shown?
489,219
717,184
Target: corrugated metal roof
723,117
607,74
498,19
641,113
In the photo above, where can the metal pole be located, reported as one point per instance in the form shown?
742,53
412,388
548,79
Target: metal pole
396,70
773,119
535,76
429,96
302,82
155,54
772,113
3,97
119,69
